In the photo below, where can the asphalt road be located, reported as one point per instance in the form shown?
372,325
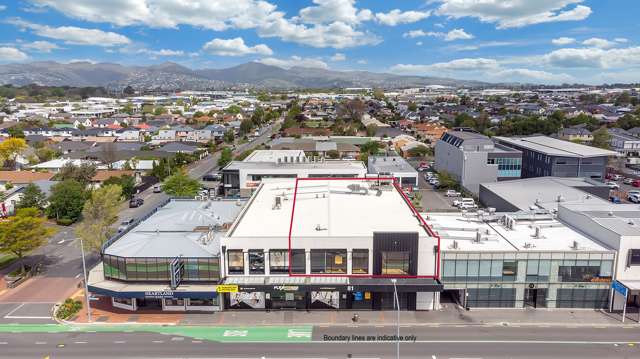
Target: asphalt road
431,343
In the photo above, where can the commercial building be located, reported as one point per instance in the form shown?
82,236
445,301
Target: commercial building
241,178
393,166
521,260
329,244
546,156
542,193
624,142
472,158
618,227
168,260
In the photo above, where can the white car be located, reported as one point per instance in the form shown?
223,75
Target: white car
634,197
125,224
452,193
634,192
628,181
458,202
467,205
612,185
616,177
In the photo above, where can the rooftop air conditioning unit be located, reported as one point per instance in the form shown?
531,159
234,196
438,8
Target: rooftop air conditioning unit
537,232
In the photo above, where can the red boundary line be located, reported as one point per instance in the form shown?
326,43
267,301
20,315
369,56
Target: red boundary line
407,201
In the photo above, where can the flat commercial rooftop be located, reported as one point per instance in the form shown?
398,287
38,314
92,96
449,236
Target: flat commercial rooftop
554,236
273,155
390,164
182,227
543,192
555,147
623,219
325,208
320,165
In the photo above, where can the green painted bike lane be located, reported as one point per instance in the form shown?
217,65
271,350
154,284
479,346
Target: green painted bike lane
295,334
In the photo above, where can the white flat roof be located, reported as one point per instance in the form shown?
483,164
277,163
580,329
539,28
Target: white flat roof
554,235
556,147
325,208
273,155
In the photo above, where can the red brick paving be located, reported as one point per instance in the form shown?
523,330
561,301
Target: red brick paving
102,309
41,289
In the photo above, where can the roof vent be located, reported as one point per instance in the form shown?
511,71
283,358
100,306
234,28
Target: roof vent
575,246
631,222
454,245
560,198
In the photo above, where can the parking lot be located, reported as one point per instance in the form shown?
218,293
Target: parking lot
432,200
623,191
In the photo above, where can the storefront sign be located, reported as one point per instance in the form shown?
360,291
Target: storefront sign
619,287
367,295
286,288
357,295
227,288
159,294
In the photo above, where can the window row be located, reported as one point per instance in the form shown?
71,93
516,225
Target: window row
322,261
157,269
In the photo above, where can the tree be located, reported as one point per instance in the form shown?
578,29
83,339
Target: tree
66,201
233,109
351,109
225,157
411,106
447,181
160,110
372,129
23,233
378,94
258,116
15,132
419,151
128,108
109,154
333,154
46,154
229,136
601,138
129,91
32,197
81,174
245,126
10,149
126,183
99,213
180,185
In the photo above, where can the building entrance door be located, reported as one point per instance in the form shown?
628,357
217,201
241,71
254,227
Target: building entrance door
535,297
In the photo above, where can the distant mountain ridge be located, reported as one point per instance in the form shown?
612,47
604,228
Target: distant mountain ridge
172,76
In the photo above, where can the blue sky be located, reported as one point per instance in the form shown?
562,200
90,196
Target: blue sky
538,41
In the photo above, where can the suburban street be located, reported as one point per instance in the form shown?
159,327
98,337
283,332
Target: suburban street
450,342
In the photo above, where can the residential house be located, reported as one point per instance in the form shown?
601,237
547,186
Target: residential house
573,134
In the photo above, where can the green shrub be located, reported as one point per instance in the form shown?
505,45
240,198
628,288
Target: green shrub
64,221
69,308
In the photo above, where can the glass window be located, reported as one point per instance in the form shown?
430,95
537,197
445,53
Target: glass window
299,261
461,269
278,261
449,269
634,257
125,301
472,270
496,269
191,269
236,261
485,270
360,261
509,270
605,268
256,261
397,263
202,302
174,302
578,273
328,261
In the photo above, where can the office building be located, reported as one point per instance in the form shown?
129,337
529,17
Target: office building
348,240
241,178
472,158
546,156
393,166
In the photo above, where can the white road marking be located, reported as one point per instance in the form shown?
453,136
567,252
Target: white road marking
177,339
158,341
41,343
299,333
3,343
119,342
61,241
235,333
14,310
80,342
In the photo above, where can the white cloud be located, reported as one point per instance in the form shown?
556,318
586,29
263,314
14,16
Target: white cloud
12,54
621,39
331,23
455,34
599,43
294,61
563,41
91,61
419,43
328,11
594,58
338,57
458,34
397,17
2,7
482,45
235,47
74,35
362,62
481,69
40,46
165,52
515,13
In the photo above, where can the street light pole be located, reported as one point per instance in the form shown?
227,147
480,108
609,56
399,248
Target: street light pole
396,301
86,284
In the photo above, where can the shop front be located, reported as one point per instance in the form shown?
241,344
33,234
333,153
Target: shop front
354,294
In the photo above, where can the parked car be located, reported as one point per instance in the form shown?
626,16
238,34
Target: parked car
135,202
628,181
157,188
211,177
612,185
636,183
452,193
633,191
608,176
433,181
616,177
614,199
125,224
468,205
458,202
633,197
